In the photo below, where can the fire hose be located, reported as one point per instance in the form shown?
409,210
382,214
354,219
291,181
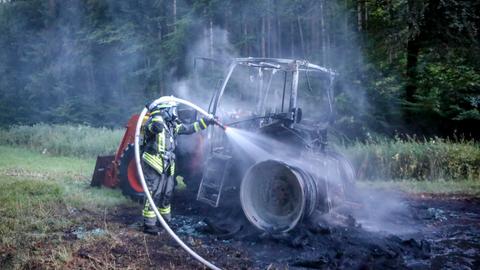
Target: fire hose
144,184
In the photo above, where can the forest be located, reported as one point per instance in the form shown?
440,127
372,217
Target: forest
386,177
405,66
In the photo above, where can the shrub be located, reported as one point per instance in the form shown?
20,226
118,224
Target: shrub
433,159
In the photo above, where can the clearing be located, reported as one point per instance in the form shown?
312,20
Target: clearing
51,218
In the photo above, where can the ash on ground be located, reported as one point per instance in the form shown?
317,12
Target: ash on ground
384,231
409,232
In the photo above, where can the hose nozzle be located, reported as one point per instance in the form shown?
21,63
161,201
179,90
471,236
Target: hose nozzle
218,123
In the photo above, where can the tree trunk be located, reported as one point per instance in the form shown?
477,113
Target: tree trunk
210,32
415,10
329,38
262,35
245,37
162,32
315,47
280,52
174,15
324,32
300,31
292,39
365,15
269,30
413,50
269,36
361,15
279,38
52,7
91,82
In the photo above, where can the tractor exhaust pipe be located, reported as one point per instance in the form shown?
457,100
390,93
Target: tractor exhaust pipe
276,196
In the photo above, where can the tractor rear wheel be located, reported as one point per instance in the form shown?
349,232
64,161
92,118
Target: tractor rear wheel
127,175
347,174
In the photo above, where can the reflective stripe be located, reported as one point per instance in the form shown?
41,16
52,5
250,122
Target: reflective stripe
155,164
165,210
154,161
148,214
196,126
157,119
172,168
161,142
203,123
166,105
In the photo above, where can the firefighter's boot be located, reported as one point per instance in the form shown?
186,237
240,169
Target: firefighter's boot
150,226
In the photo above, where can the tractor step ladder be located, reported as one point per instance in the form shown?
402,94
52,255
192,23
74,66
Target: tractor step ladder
214,176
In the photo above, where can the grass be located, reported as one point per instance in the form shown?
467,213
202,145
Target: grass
40,198
460,187
65,140
377,159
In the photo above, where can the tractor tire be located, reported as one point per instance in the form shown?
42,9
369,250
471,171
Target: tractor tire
347,173
127,175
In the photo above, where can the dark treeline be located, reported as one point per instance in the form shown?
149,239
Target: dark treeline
405,66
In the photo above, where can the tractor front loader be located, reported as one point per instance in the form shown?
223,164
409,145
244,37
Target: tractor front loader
119,170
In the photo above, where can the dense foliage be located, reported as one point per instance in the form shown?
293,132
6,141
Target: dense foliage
405,65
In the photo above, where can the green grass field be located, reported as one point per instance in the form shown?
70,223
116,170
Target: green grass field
40,198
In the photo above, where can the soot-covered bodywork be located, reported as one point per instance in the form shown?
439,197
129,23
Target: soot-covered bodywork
274,158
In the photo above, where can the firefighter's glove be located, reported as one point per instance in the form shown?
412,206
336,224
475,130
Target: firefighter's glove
210,119
180,183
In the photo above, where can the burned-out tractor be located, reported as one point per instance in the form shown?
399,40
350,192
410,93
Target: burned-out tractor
274,159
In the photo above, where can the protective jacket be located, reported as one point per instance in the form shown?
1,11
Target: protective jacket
158,161
160,140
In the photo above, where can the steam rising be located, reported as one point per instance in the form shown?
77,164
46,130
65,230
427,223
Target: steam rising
373,210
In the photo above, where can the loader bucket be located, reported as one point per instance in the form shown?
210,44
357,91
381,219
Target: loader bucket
104,172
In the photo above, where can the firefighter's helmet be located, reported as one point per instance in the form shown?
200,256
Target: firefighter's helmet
167,110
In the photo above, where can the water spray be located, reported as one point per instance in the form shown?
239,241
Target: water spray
144,184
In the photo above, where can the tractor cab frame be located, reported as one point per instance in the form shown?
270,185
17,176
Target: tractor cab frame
271,85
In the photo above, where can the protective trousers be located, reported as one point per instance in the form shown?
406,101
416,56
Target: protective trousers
161,188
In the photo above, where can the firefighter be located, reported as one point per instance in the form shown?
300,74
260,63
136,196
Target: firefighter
158,158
